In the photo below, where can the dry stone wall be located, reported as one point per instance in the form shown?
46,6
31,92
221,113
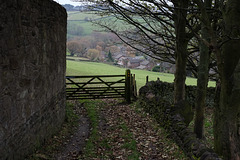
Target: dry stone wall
32,74
156,99
166,91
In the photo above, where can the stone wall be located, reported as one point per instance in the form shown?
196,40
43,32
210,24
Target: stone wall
166,90
32,74
155,98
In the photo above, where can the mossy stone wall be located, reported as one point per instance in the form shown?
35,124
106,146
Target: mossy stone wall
156,99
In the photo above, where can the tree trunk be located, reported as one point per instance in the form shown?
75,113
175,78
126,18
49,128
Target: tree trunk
181,49
227,112
202,83
203,71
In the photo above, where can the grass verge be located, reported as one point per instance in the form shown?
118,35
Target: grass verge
50,148
98,146
129,142
208,127
95,141
91,107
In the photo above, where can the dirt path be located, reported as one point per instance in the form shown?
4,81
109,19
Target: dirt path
123,132
75,145
69,143
131,134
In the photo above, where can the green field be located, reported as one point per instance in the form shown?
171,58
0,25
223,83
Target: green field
77,58
93,68
77,15
77,18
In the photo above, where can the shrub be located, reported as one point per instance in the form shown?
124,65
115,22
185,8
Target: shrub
156,69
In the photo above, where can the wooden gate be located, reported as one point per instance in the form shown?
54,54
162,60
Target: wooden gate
101,86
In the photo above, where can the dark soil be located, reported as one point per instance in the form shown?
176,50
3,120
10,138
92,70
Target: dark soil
75,145
69,143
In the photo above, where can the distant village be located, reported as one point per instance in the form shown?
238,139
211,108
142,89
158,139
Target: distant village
141,62
125,59
99,47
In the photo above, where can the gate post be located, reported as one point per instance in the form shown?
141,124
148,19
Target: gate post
128,86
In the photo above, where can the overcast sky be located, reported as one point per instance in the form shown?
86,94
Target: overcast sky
68,2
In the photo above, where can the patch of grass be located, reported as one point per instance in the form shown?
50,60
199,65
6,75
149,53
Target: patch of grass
83,19
208,124
87,27
77,58
76,15
94,140
107,151
173,149
71,117
93,116
51,146
208,127
94,68
129,142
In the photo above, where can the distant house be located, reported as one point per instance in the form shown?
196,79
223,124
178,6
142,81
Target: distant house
145,63
141,67
134,62
138,62
139,57
123,61
118,56
120,59
148,65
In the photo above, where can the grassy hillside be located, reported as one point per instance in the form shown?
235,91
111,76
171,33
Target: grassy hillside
93,68
77,15
77,18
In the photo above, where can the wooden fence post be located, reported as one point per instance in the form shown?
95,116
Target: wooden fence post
134,86
146,79
128,86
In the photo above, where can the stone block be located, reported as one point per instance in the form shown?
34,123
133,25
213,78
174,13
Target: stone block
32,35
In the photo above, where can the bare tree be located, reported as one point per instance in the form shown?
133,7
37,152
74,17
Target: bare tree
227,111
166,32
225,44
155,28
203,68
73,47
